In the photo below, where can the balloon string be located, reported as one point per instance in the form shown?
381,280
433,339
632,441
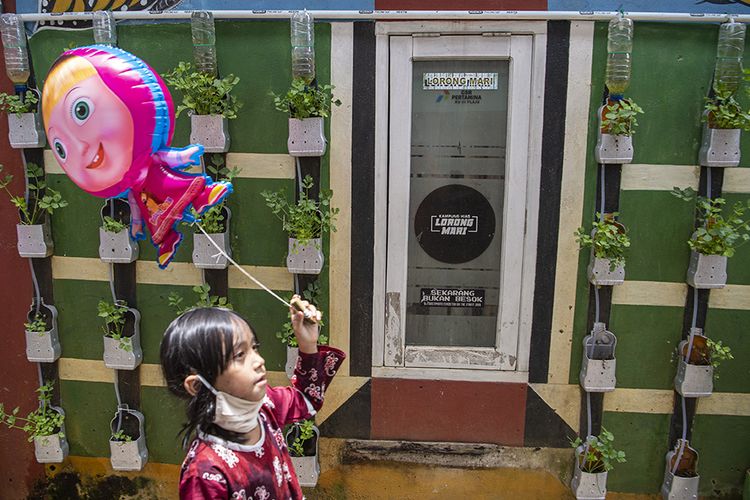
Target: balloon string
222,252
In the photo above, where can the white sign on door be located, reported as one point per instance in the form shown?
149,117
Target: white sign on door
459,81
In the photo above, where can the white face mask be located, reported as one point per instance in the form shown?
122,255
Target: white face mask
233,413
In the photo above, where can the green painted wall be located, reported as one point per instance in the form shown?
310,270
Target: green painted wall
257,52
672,68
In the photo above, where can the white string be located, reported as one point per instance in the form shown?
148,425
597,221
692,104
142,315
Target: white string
708,182
112,284
119,401
37,293
299,174
588,414
601,211
41,381
596,298
222,252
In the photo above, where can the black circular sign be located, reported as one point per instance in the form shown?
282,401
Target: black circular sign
454,224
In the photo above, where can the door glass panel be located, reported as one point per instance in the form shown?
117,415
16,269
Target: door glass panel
458,135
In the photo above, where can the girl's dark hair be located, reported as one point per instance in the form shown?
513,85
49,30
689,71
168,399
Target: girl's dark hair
200,341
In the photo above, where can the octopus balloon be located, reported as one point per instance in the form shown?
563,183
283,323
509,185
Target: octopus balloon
109,119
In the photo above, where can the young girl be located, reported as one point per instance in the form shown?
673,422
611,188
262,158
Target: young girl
210,357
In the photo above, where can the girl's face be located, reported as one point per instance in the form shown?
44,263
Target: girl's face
245,376
90,132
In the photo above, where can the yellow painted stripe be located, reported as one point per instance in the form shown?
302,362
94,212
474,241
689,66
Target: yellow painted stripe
163,480
650,293
249,165
275,278
571,199
262,166
93,370
639,401
178,273
565,399
659,177
730,297
736,180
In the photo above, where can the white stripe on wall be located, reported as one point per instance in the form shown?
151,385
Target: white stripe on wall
571,198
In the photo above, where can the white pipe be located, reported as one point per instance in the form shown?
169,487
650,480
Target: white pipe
403,15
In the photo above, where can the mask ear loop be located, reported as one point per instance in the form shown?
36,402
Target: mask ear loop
206,384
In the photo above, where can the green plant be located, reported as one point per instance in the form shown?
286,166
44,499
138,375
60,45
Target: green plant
37,324
598,453
212,219
609,240
42,422
719,353
114,322
121,436
306,101
306,219
724,112
717,234
12,103
202,93
45,200
112,225
620,117
302,433
205,299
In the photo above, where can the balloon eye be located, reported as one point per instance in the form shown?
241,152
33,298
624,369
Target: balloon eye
60,149
82,109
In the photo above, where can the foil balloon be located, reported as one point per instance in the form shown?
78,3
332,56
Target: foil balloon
109,119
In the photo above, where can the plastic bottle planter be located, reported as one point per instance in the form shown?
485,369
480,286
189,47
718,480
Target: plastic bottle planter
43,347
683,484
707,271
26,131
599,270
292,353
307,467
117,248
52,449
613,148
306,137
205,253
128,455
211,131
587,485
599,363
696,378
305,259
115,355
35,240
720,147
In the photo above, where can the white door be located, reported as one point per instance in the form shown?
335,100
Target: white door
457,185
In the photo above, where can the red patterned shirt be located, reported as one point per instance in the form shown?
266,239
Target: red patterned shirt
218,469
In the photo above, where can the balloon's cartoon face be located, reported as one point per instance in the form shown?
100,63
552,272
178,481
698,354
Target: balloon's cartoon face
91,134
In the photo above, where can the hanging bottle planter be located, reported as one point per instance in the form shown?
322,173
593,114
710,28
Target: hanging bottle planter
681,480
695,377
306,466
612,148
127,444
35,240
292,353
720,147
599,363
587,485
307,258
122,342
707,271
205,253
210,131
306,137
25,130
52,449
42,342
116,246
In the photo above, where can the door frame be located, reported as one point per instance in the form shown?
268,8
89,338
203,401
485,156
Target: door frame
383,32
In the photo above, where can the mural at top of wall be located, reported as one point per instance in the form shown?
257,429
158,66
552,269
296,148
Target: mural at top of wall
110,119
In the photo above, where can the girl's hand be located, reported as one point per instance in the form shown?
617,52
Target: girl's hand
306,331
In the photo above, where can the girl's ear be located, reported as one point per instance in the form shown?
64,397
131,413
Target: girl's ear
192,384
